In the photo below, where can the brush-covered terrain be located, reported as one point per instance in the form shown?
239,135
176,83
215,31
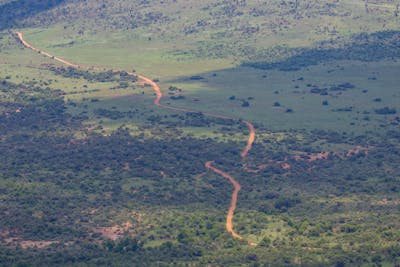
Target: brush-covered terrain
93,174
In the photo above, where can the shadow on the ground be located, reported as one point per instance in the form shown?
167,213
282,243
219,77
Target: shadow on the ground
363,47
13,13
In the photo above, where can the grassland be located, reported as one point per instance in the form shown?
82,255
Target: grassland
180,38
293,90
108,179
156,43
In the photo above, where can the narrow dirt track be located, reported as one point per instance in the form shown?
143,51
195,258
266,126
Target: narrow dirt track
229,226
231,211
250,139
159,95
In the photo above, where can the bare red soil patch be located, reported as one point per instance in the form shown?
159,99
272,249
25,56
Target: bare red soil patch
114,232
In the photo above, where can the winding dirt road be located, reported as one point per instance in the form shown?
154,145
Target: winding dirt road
236,185
159,95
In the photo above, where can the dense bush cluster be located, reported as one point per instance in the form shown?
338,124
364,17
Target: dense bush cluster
50,180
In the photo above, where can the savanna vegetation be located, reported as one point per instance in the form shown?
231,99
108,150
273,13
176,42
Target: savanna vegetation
93,174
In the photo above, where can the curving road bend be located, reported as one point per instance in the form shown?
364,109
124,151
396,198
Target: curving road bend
159,95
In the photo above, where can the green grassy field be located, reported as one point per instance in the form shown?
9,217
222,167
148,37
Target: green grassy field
90,160
292,90
166,53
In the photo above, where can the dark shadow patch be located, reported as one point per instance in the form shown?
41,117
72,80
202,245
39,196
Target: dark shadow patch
13,13
363,47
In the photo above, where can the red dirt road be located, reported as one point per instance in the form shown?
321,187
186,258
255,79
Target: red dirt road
231,211
250,139
236,185
159,95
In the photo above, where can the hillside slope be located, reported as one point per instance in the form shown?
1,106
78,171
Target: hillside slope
243,29
92,173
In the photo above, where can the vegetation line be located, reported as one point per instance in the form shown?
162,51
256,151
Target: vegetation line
159,95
